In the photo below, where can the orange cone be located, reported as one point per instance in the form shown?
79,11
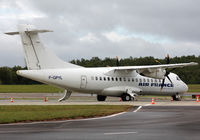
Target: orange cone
153,100
197,98
11,100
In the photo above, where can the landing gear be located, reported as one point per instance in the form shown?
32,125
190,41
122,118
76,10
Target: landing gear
101,98
67,94
176,97
126,97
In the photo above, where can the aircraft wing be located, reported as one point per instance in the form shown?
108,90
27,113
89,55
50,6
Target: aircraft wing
153,71
165,66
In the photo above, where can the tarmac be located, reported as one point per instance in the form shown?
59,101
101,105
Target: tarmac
141,123
88,99
164,120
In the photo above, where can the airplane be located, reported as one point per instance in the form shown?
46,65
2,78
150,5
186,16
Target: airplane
126,82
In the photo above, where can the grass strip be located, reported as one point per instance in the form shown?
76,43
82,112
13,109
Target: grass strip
29,113
29,89
194,88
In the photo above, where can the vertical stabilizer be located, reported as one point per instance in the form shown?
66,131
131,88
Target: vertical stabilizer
36,55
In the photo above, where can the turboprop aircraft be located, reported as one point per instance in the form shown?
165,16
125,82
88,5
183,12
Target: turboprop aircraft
120,81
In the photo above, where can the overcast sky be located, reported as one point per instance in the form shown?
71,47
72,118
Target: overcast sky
103,28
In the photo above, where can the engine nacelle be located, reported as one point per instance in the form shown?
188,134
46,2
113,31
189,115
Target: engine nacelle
153,73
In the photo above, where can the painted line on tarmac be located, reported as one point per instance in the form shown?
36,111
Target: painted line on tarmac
137,109
147,105
120,133
141,107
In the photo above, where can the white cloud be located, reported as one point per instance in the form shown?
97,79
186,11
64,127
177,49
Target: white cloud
115,37
19,10
83,29
90,37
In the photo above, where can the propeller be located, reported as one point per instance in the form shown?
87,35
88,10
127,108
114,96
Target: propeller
117,61
167,72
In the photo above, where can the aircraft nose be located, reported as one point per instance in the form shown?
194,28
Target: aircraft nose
185,87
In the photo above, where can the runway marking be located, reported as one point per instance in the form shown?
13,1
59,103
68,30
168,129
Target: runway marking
141,107
119,133
147,104
137,109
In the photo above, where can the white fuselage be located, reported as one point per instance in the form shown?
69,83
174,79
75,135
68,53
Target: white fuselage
98,81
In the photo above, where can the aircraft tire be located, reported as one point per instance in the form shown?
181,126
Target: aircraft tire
101,98
176,97
126,97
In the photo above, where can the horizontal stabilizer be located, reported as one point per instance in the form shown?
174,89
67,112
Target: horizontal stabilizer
38,31
29,31
12,33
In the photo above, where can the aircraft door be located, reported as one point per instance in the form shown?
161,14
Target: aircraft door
83,81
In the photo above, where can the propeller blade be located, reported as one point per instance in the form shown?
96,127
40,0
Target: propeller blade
117,61
168,59
163,81
169,79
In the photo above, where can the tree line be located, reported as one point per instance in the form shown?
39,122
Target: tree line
190,75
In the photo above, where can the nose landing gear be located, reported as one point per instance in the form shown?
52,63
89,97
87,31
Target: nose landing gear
176,97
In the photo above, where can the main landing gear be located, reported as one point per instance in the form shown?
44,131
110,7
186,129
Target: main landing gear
126,97
176,97
101,98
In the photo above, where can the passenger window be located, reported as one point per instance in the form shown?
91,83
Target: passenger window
100,78
124,79
112,79
144,80
132,79
129,79
148,80
120,79
116,79
96,78
156,81
108,78
104,78
151,80
160,80
140,80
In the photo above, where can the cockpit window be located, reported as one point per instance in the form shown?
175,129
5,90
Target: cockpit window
178,78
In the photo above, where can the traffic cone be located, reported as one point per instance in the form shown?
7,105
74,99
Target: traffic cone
153,100
11,100
171,99
197,98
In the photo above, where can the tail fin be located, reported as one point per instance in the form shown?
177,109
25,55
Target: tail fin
36,55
